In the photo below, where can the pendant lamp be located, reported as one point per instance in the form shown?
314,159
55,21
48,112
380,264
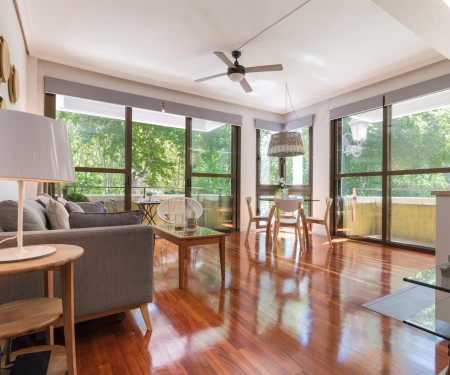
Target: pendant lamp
286,144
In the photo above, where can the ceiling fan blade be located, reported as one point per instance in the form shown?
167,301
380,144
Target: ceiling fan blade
210,77
225,59
246,86
264,68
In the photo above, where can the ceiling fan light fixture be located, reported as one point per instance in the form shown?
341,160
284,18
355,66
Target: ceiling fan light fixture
236,77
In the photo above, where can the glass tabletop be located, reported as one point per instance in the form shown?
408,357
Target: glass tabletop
431,320
432,278
198,232
293,197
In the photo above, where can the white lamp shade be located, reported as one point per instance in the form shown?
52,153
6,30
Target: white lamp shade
359,130
34,148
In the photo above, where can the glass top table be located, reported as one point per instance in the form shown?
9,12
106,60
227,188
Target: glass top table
430,318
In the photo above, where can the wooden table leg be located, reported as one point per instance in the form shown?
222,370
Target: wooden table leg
305,228
222,256
181,253
66,272
48,285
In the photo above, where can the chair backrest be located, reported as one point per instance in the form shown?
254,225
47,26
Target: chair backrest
249,206
113,204
288,205
329,201
190,207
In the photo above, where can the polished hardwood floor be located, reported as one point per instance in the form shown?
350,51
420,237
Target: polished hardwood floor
278,312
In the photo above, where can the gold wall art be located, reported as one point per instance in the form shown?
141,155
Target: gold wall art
13,85
5,64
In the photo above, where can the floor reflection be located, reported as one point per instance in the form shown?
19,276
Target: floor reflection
280,311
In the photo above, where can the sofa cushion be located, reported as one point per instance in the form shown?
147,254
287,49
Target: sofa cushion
92,207
57,215
73,207
43,199
33,216
90,220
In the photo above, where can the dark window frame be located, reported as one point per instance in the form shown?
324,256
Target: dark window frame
305,190
386,173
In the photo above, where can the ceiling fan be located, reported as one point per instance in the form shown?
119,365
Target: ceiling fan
237,72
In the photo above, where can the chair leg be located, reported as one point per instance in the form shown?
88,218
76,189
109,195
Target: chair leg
146,316
329,236
248,231
275,232
162,244
301,238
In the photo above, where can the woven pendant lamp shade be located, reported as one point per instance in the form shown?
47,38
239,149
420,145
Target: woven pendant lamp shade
286,144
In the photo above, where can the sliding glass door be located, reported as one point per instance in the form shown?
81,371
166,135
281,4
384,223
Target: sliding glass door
211,172
386,163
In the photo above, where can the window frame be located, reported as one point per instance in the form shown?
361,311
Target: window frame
386,173
268,189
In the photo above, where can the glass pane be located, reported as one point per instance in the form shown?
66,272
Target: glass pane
158,158
413,208
105,187
360,147
269,167
214,194
96,131
211,147
297,168
358,207
420,132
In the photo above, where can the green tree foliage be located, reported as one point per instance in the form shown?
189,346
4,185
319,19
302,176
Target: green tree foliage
158,155
418,141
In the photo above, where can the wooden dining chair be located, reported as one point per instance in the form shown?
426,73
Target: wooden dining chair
255,219
292,221
322,221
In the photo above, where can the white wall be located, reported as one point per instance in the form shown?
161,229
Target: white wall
10,29
321,157
248,133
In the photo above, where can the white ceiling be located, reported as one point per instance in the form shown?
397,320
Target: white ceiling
328,47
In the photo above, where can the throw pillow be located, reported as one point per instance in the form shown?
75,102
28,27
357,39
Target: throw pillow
88,220
57,215
33,217
73,207
62,201
92,207
43,199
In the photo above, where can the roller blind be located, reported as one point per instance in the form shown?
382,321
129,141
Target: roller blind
357,107
290,125
80,90
418,89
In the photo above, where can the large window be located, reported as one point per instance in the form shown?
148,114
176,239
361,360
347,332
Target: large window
386,169
295,170
123,155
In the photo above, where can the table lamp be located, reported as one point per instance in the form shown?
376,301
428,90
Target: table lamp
32,148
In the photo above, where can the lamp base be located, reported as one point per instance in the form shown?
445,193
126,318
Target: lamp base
15,254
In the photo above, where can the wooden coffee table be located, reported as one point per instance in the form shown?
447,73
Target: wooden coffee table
183,239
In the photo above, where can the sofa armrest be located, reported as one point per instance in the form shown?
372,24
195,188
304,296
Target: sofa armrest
116,270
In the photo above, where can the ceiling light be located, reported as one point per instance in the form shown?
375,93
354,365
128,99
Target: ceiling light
447,2
236,77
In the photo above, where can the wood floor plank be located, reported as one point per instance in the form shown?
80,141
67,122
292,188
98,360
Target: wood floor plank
278,312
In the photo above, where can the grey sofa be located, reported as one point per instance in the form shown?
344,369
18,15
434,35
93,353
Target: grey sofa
115,273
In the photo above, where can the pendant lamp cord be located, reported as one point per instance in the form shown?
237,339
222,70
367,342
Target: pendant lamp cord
295,113
272,25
